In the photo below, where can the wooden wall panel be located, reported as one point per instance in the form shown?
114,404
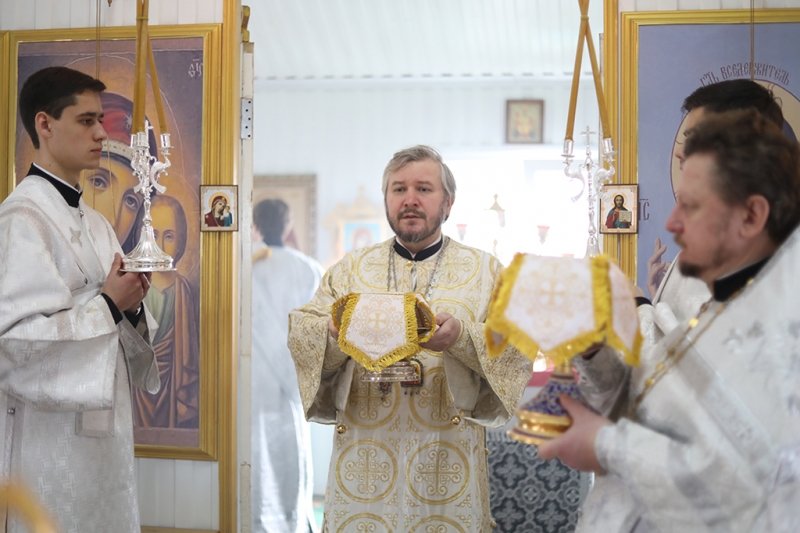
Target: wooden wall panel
50,14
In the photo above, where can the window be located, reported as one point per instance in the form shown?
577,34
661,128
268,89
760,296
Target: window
538,214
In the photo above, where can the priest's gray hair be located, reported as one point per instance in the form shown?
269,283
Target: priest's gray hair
420,153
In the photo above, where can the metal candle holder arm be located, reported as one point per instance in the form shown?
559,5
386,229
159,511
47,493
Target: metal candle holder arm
585,35
147,256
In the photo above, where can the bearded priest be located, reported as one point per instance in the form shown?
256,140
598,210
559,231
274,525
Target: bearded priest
704,435
408,458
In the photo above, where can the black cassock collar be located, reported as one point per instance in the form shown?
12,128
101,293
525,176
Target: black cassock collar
726,287
71,195
422,255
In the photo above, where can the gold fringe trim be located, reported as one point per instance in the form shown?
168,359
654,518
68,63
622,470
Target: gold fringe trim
410,348
340,304
496,321
602,333
604,306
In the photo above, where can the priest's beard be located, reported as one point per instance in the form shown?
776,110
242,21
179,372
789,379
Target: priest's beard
719,256
414,236
689,270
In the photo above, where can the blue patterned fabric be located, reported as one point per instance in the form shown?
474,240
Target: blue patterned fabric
530,495
546,401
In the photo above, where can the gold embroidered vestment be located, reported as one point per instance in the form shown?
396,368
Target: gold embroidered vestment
409,459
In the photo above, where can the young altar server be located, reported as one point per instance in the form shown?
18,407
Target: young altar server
73,330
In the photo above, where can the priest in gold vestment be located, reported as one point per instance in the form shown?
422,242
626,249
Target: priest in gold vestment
408,459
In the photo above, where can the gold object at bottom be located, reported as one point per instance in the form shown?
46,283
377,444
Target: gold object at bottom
18,498
538,428
543,419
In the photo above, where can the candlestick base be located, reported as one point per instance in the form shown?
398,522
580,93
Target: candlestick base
147,256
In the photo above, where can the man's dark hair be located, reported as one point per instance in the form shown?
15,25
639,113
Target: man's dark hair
52,90
752,156
271,218
730,95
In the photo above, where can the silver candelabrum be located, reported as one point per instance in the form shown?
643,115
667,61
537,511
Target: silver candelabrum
147,256
596,178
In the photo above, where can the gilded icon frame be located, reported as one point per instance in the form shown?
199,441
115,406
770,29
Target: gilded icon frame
4,154
355,225
628,220
524,121
621,67
299,191
230,194
214,262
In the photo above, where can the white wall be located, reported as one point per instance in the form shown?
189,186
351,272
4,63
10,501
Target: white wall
172,493
345,132
52,14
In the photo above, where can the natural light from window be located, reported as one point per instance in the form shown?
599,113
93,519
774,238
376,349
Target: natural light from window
539,215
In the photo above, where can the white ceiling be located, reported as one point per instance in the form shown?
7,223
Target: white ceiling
299,40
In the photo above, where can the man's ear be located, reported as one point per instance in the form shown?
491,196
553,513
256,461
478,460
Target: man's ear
450,202
755,214
42,121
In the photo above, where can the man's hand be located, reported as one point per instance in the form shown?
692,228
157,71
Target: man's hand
656,268
575,447
446,334
332,329
126,289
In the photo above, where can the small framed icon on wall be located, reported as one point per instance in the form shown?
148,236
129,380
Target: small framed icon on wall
220,208
619,209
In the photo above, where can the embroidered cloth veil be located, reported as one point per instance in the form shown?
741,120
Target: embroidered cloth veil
380,329
562,306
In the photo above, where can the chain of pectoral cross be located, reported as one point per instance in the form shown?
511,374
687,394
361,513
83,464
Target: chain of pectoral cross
391,275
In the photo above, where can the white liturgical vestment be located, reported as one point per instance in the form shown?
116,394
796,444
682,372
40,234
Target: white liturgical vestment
678,298
283,279
65,366
715,444
404,458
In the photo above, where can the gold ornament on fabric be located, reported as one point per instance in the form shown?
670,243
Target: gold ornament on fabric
676,352
380,329
562,306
